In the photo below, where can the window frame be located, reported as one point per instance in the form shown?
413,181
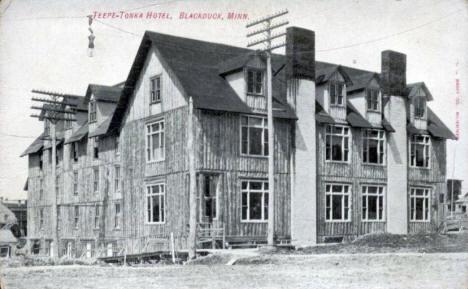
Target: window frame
117,146
264,136
381,137
149,209
417,108
74,151
348,136
264,197
76,217
336,84
92,111
97,216
96,180
370,102
329,206
149,152
427,151
426,209
41,189
117,215
381,197
75,183
255,72
41,218
153,98
96,148
117,178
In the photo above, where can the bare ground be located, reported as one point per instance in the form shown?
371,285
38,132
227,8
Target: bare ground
396,270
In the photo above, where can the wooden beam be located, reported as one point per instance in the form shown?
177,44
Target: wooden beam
192,240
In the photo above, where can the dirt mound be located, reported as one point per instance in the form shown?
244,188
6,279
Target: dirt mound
212,259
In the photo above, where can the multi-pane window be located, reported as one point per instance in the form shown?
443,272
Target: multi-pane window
117,216
155,141
337,93
68,122
254,136
155,196
41,189
92,111
337,140
96,148
373,146
254,82
97,216
41,218
420,151
76,216
373,100
337,202
419,103
155,89
117,179
95,179
254,201
74,151
75,182
420,204
373,203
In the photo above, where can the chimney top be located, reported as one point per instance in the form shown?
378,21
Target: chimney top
300,53
393,73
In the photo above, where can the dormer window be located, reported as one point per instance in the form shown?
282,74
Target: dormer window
155,89
373,100
419,103
254,82
337,93
92,111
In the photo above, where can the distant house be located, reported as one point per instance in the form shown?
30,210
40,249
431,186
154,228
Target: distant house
7,217
356,152
462,204
19,209
7,239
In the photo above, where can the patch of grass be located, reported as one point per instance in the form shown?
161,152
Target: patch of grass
27,261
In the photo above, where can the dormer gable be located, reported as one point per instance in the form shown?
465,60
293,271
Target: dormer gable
101,101
418,96
366,96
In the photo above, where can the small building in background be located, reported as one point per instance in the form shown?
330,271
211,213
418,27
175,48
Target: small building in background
454,193
7,239
19,209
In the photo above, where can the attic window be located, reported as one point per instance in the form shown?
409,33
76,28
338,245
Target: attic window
155,89
373,100
337,93
254,82
419,103
92,111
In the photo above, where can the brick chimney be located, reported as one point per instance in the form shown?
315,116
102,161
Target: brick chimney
393,83
300,79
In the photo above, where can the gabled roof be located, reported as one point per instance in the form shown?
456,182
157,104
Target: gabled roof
103,93
79,134
436,127
413,88
7,237
36,146
102,129
324,70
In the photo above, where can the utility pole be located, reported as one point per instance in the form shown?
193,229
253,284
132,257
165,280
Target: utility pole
54,110
267,41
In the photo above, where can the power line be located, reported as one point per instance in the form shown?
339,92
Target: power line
17,136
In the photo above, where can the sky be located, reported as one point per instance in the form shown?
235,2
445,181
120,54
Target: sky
43,45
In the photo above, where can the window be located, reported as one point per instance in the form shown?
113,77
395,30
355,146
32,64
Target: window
155,87
47,248
41,160
96,148
155,203
337,202
117,179
92,111
117,146
254,82
57,184
419,103
96,179
36,247
155,141
254,136
41,189
420,151
59,218
337,93
117,216
373,146
41,218
74,151
97,216
68,122
75,182
76,216
373,100
420,204
254,201
372,203
337,143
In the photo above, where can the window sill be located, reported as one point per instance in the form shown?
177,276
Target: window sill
337,221
156,223
155,102
155,161
254,156
420,168
255,94
338,162
337,105
254,221
374,165
420,221
373,111
373,221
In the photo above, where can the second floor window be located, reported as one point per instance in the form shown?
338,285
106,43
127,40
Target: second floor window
254,82
373,100
155,89
75,183
337,93
74,151
155,141
76,216
95,180
41,160
420,151
97,215
337,140
92,111
373,146
254,201
41,218
117,216
155,202
254,136
117,179
96,148
419,103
